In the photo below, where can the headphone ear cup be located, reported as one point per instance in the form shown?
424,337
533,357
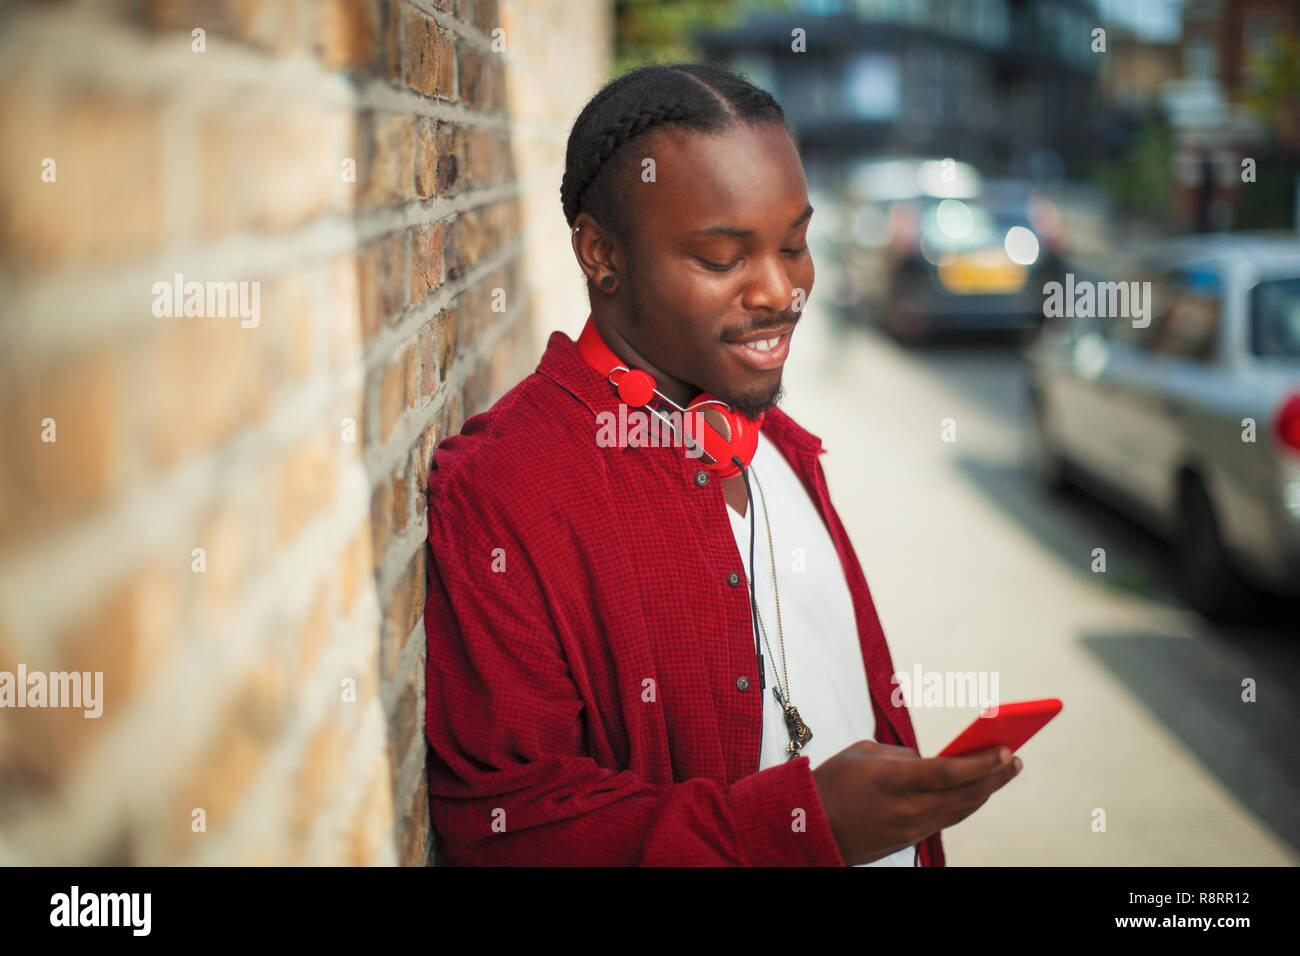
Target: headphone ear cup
723,433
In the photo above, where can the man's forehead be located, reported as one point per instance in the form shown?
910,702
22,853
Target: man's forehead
704,178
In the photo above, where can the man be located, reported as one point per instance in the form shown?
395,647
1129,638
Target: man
594,692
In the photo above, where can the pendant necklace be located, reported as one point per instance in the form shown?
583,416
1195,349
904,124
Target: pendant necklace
799,732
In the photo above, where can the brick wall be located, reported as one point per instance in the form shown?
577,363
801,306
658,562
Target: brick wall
222,510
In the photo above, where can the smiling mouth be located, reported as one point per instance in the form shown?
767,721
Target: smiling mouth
762,352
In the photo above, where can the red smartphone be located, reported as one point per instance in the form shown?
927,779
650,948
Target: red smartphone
1011,726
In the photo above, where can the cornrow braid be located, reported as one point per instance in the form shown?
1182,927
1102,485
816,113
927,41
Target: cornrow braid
696,96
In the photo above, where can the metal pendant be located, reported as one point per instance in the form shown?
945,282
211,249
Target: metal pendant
800,733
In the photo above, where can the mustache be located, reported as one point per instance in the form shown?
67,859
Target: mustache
755,331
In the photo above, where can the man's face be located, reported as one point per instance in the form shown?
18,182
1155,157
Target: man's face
719,262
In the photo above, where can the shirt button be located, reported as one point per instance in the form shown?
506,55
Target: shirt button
701,478
742,683
733,579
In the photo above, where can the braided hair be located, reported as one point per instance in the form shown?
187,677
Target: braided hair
697,96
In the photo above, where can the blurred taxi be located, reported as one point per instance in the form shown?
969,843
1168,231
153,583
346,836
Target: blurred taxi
968,265
933,247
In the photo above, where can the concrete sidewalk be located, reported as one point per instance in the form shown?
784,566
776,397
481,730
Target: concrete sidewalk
973,569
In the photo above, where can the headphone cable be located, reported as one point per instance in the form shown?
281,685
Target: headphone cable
753,605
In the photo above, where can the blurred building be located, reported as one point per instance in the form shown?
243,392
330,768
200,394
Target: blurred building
1135,71
990,82
1221,45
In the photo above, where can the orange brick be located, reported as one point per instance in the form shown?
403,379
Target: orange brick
393,392
426,157
229,19
41,746
453,414
478,387
403,489
222,178
471,76
423,453
428,346
405,606
450,150
408,716
223,536
303,484
383,286
346,311
480,157
426,260
47,484
358,567
387,175
349,34
372,819
412,358
207,377
105,204
415,829
291,159
449,50
352,406
381,515
315,629
370,297
484,16
251,722
286,314
446,341
318,776
393,41
273,25
422,53
257,856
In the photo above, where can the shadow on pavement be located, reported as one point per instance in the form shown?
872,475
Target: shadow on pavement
1194,688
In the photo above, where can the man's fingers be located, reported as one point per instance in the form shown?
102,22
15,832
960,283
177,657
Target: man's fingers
957,803
945,773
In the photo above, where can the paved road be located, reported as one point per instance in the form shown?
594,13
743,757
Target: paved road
973,569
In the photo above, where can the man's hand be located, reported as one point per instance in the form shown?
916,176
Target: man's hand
880,798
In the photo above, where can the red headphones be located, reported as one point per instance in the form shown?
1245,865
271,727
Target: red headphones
726,433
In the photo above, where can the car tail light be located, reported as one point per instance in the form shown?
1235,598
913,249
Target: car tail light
904,228
1046,220
1288,422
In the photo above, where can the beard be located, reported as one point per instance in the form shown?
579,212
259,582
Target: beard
751,406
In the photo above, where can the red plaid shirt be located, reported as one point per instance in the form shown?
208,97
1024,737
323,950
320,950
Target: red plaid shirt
586,644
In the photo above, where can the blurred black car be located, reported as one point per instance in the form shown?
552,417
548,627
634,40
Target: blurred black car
970,265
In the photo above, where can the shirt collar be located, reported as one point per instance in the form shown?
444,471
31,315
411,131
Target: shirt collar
564,364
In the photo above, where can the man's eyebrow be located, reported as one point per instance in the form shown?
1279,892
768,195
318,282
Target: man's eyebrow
744,233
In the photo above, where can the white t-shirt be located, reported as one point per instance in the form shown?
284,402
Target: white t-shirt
827,679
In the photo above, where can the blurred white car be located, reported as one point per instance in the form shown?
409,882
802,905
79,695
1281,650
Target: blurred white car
1191,424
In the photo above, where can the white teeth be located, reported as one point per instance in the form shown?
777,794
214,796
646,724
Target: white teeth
764,345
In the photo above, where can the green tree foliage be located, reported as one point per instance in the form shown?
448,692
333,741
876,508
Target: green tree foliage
1141,181
657,31
1274,91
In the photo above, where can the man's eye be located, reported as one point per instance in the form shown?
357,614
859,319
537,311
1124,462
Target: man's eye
797,252
717,268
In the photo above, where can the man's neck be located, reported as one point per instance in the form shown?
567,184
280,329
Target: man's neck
677,391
